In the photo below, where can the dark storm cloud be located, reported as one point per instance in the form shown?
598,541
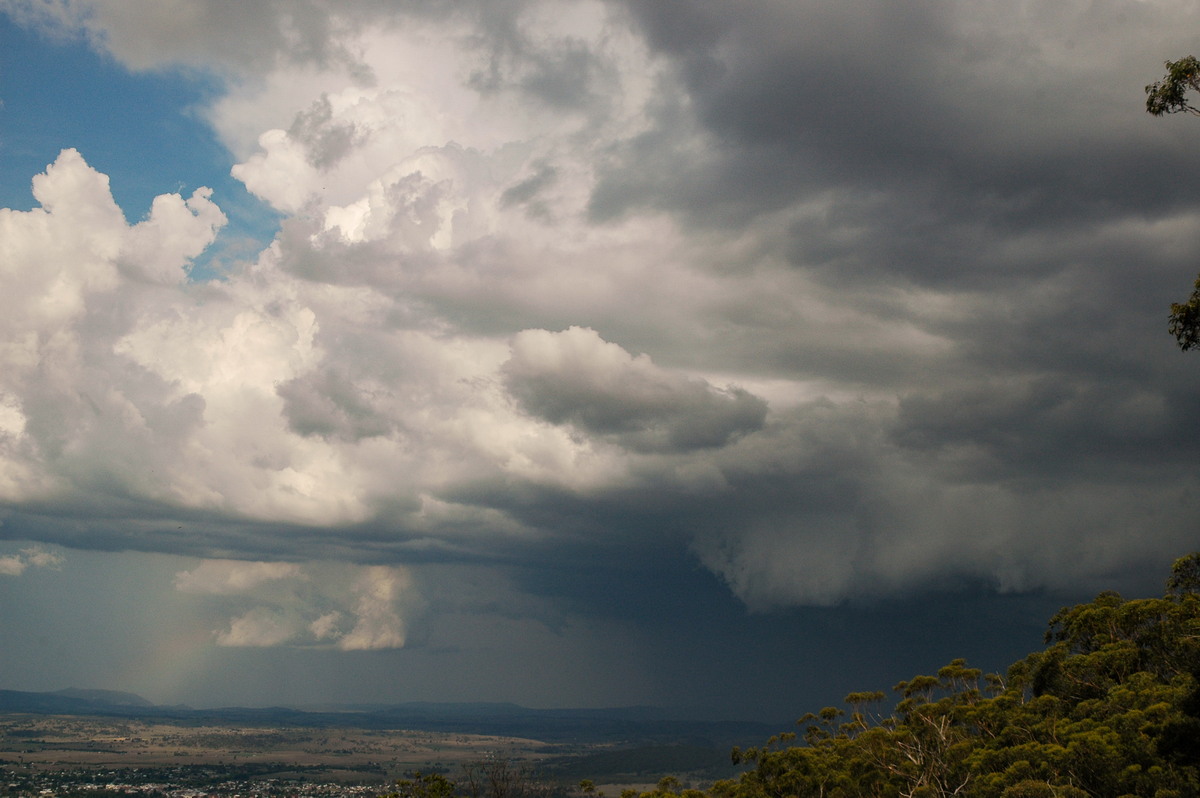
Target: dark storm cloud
995,155
575,377
982,149
926,124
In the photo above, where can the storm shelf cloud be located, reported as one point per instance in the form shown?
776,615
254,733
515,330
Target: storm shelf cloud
803,306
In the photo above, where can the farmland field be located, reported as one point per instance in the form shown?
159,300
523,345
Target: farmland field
48,742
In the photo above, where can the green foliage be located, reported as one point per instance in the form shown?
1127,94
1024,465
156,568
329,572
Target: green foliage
1185,572
1110,708
668,787
1184,321
1169,95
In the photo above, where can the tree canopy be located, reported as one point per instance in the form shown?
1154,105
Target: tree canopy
1169,95
1185,320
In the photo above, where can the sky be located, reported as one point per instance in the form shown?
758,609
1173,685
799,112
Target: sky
727,357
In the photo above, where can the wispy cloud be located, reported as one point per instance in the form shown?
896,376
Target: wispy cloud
232,577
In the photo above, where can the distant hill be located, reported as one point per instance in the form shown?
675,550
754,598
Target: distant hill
71,702
110,697
643,726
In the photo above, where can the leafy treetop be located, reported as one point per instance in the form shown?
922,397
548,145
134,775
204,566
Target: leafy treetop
1170,96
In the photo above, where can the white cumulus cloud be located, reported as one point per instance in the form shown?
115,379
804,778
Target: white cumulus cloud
378,624
30,557
354,608
260,627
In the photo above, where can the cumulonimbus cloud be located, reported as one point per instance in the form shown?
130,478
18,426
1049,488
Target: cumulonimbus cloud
620,274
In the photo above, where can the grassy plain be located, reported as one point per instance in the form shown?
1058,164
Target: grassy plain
56,742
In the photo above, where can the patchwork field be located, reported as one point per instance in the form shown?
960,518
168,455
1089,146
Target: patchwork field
42,742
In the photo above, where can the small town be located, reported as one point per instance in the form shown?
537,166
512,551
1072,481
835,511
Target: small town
176,782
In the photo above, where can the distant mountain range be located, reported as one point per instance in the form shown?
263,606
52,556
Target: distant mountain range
74,701
104,697
638,725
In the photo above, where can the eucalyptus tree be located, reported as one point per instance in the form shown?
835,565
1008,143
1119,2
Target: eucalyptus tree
1172,95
